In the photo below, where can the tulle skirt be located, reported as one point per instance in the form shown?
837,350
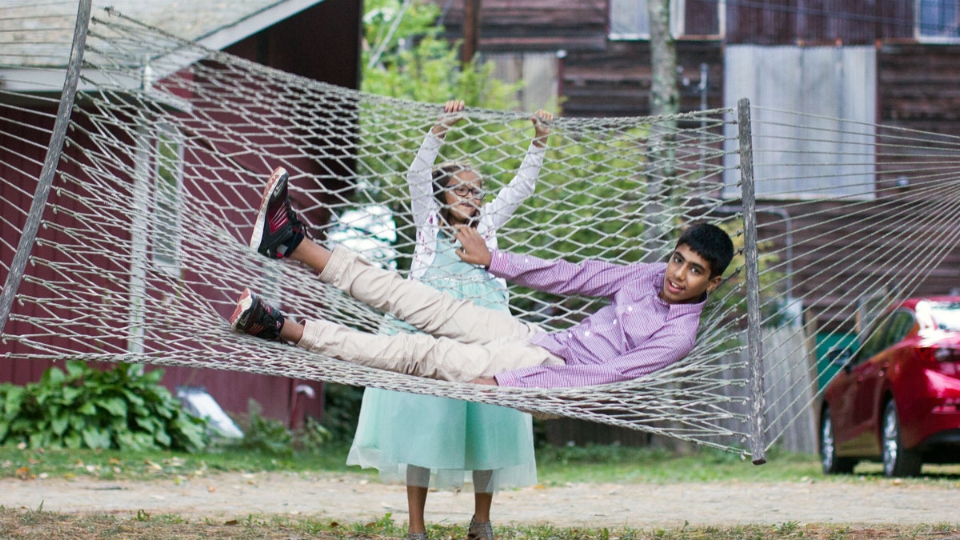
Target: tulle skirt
449,437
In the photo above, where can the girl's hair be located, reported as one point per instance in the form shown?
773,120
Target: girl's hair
442,174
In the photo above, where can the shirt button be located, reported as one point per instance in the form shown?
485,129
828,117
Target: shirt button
629,308
586,334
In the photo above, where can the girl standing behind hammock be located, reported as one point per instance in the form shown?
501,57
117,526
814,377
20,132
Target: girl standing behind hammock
420,437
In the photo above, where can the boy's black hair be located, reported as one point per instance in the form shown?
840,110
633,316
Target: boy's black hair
710,242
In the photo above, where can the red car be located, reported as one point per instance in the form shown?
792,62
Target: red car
897,398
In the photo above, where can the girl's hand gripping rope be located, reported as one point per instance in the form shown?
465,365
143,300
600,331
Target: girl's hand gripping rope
473,249
541,123
449,117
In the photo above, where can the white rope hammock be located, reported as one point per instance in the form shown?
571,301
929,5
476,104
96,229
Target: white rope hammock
141,247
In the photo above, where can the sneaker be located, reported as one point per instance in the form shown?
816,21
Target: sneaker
480,530
277,231
253,316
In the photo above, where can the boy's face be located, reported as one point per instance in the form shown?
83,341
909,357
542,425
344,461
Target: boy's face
687,277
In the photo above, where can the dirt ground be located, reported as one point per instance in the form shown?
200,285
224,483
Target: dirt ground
353,498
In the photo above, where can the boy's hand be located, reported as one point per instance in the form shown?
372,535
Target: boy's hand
541,123
473,249
488,381
449,117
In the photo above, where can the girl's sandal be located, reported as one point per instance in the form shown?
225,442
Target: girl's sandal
480,530
417,536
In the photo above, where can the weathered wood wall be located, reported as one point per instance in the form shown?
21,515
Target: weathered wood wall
530,25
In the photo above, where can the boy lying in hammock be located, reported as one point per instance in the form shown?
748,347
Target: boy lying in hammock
650,322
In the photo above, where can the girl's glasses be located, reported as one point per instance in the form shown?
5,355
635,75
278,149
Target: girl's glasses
467,191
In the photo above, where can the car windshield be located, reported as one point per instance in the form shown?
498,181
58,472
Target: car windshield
947,316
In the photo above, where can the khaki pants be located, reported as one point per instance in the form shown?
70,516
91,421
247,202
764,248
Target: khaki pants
461,341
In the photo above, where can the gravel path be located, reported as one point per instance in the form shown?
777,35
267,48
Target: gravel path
350,498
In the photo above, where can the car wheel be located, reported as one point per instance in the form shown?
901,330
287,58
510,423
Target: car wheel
897,460
832,464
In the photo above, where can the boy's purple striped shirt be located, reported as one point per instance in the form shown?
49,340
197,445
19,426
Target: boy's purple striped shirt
635,334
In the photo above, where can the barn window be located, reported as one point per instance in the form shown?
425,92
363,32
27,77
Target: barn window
806,119
168,188
938,19
629,19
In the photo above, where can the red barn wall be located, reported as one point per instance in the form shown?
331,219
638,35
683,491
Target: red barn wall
321,43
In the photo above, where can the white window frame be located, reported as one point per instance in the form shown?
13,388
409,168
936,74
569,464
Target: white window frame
167,257
677,22
917,7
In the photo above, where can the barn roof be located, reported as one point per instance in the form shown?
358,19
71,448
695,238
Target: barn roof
38,33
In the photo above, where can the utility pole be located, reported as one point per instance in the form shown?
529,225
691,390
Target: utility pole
471,30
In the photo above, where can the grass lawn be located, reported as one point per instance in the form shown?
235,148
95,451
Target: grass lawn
556,466
40,525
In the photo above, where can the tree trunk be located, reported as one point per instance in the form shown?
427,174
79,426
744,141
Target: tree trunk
661,151
471,31
664,90
662,192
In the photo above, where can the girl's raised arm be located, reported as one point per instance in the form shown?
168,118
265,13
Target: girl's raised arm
523,184
419,177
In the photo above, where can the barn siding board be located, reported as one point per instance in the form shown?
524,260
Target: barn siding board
919,87
616,82
537,24
818,22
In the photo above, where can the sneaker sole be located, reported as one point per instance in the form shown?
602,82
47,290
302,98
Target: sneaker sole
268,193
243,306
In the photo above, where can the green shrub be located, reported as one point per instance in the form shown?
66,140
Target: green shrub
341,411
265,435
120,408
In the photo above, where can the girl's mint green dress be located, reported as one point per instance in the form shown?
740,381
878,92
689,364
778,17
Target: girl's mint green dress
450,437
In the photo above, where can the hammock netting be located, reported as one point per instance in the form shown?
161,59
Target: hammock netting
142,248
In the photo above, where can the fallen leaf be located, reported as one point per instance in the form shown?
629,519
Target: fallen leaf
231,522
211,489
